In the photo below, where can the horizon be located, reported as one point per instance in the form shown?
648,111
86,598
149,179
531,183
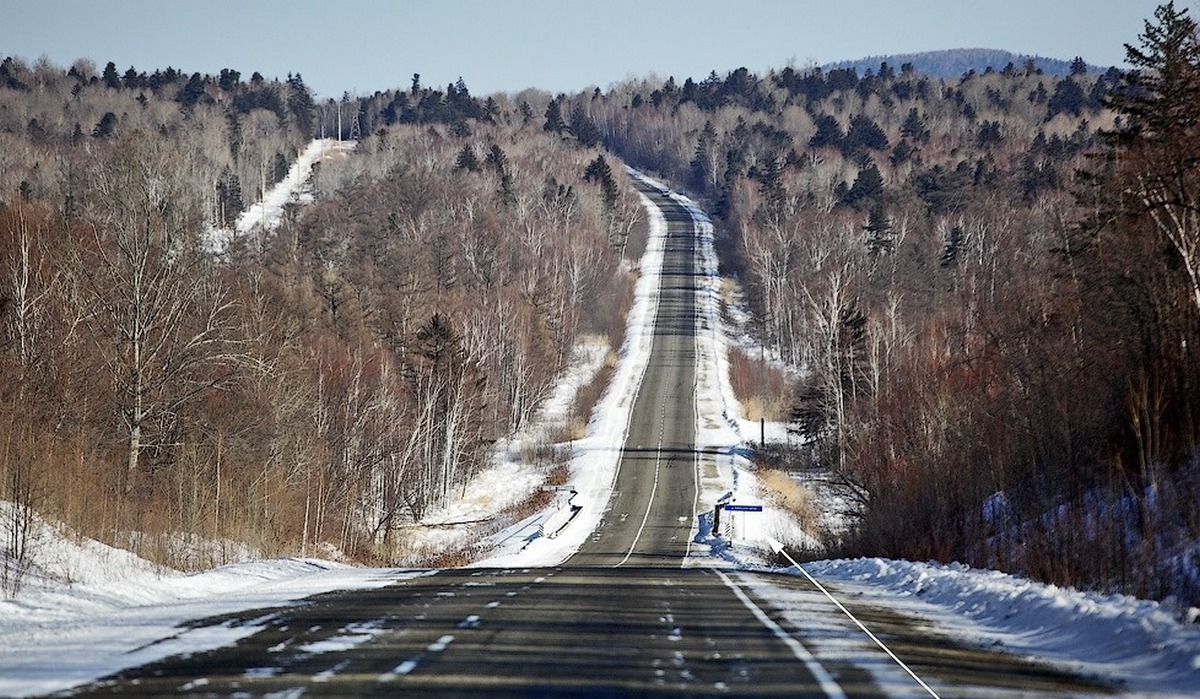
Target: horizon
491,46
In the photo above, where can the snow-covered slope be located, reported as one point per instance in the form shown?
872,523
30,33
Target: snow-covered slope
266,213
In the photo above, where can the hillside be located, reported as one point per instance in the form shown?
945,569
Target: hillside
954,63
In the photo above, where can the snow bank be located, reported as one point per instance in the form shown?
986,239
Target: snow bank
1116,638
88,610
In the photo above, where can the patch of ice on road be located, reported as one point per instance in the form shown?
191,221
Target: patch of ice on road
351,636
471,622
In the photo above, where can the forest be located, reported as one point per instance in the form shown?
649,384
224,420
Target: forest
318,388
978,298
983,293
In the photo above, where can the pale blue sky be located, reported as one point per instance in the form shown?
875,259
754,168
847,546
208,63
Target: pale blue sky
556,45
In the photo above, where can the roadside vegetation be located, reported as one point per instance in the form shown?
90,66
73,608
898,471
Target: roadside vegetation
988,286
985,291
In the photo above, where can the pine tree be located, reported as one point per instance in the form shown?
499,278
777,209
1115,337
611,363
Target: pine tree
952,251
914,127
192,92
600,172
829,132
300,104
584,129
879,233
229,198
774,194
867,187
1159,103
863,135
554,119
467,160
498,161
111,80
703,167
106,127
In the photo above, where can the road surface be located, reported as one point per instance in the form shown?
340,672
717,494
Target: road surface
622,616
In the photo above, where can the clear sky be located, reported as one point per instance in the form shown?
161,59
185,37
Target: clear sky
555,45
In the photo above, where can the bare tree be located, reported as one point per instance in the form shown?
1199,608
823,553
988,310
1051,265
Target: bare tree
162,318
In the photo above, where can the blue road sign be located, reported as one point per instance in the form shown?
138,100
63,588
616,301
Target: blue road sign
743,508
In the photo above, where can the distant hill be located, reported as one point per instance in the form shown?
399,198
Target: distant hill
953,63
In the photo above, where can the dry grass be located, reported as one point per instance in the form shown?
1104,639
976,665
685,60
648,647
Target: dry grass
586,399
762,388
790,496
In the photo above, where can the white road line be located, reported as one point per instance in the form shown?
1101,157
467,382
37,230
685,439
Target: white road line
819,673
649,503
778,547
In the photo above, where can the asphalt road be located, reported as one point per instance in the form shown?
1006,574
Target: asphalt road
622,616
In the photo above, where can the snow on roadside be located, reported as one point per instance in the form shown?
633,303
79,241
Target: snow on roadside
118,610
510,479
594,459
1137,645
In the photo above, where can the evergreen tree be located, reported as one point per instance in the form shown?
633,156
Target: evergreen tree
863,135
229,79
106,127
829,132
914,127
554,119
279,168
1068,98
110,77
467,159
229,198
770,179
600,172
703,167
879,232
300,104
952,251
1157,150
498,161
192,92
583,127
868,187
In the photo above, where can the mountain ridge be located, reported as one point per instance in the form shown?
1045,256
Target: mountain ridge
953,63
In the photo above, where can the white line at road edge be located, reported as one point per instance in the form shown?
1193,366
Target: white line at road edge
778,547
819,673
650,502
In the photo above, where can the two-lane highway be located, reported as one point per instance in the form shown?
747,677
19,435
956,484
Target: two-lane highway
622,616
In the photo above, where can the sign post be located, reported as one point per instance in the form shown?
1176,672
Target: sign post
734,507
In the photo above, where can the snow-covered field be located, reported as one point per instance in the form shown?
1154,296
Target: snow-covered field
118,611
